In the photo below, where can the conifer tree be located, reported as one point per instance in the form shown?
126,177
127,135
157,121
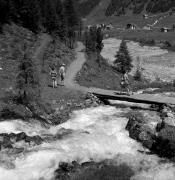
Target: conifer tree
30,14
71,21
49,17
27,80
4,11
123,61
86,39
60,20
25,13
70,14
14,6
92,39
80,28
99,40
55,16
99,44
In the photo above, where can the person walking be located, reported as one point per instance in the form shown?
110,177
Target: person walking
62,72
53,74
125,82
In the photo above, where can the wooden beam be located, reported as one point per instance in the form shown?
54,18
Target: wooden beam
137,98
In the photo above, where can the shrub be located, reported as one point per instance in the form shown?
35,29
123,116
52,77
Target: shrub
150,42
138,75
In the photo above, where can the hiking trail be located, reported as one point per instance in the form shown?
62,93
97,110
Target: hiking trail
74,68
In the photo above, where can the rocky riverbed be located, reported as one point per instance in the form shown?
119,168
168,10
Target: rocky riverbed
93,143
156,133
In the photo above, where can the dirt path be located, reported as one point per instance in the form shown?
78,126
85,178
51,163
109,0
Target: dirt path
45,39
74,68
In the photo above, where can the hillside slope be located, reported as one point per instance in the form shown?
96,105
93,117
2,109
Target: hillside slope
84,7
138,6
99,10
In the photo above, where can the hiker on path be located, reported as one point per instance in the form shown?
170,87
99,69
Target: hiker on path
62,72
125,82
53,74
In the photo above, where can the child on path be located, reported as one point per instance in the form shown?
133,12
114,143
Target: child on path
53,74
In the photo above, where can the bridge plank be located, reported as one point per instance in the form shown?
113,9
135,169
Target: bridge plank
137,98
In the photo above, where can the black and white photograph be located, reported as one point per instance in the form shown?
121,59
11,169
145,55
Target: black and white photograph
87,89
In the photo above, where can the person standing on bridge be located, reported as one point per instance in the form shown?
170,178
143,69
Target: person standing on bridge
62,72
125,82
53,74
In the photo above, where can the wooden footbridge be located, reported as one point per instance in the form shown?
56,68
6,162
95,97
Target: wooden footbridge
136,98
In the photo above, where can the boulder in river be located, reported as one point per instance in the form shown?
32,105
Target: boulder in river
93,171
140,130
164,145
8,141
158,139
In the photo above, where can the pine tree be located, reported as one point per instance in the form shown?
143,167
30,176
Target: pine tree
80,28
50,19
99,40
123,61
13,10
93,39
61,21
25,13
30,15
99,44
70,14
4,11
27,80
86,34
72,21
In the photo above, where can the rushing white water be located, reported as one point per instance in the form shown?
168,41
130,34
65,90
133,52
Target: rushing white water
93,134
156,62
